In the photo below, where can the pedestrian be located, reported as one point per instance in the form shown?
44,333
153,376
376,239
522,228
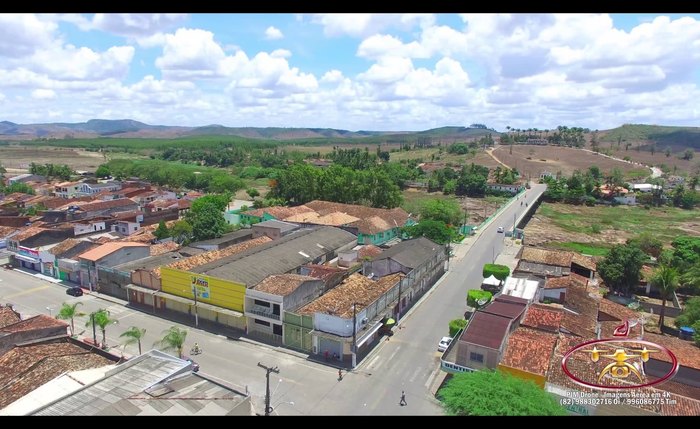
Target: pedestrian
403,399
340,374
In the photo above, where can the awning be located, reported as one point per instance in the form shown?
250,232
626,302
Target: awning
175,298
200,304
368,335
27,259
141,289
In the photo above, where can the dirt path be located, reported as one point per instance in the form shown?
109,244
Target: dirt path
490,152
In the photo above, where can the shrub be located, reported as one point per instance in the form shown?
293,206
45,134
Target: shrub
456,325
501,272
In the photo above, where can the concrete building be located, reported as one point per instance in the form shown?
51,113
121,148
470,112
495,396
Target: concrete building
108,255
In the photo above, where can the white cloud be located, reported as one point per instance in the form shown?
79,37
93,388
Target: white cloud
24,34
332,76
136,25
190,53
273,33
43,94
280,53
366,24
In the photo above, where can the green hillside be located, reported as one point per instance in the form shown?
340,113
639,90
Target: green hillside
662,135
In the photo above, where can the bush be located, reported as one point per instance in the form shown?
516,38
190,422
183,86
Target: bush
475,295
456,325
501,272
595,229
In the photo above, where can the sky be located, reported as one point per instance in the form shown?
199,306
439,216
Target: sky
378,72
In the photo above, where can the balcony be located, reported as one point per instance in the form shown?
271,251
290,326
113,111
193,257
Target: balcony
259,310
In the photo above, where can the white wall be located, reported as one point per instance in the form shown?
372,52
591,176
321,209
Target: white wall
336,325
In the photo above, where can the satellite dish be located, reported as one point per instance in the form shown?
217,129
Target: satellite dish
482,301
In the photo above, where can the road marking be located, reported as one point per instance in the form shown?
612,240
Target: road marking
27,292
394,354
373,361
431,378
415,374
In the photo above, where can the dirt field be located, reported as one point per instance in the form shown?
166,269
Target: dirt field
603,226
16,159
554,159
659,157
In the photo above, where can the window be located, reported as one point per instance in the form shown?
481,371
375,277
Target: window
476,357
262,322
277,329
262,303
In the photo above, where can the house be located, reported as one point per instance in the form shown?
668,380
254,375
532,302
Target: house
88,227
104,208
250,217
420,259
555,287
30,329
542,263
126,227
154,383
358,255
273,228
225,240
482,343
222,282
521,288
29,248
527,354
89,189
645,187
68,189
108,255
266,302
331,276
67,266
346,319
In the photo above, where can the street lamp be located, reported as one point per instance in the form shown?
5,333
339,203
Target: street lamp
268,370
49,310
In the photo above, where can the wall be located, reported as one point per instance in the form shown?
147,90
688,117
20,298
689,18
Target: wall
113,282
464,349
272,232
88,228
336,325
304,294
537,379
145,278
297,331
124,255
222,293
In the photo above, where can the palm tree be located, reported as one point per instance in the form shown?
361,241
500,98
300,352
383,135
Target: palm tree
133,335
101,318
69,312
173,339
691,276
665,279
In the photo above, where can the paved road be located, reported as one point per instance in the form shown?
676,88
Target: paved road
409,361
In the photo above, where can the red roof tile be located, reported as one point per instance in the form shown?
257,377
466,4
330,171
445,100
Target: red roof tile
543,317
529,350
37,322
106,249
687,353
8,316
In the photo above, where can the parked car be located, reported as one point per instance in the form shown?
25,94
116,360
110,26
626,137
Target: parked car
444,344
500,229
75,291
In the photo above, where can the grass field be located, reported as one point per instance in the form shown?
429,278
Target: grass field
599,227
585,248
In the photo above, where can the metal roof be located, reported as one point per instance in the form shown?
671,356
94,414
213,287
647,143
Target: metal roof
412,253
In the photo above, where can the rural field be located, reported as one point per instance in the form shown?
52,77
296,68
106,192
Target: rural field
16,159
593,230
564,159
659,158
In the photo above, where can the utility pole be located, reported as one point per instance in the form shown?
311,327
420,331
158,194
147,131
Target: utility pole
94,333
268,370
195,292
354,334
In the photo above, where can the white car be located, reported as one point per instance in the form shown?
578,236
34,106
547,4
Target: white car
444,343
500,229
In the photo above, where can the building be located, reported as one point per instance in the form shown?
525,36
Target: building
103,208
521,288
153,383
543,263
501,187
273,228
90,189
68,190
225,240
67,266
88,227
108,255
555,288
645,187
266,302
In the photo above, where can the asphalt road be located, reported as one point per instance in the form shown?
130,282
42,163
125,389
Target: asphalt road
409,361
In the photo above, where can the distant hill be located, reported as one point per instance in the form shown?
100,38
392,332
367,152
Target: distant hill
127,128
678,137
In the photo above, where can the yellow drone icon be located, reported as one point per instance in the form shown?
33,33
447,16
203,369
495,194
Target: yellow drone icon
620,368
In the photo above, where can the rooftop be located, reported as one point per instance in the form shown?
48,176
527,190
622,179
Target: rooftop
64,246
160,248
412,253
687,353
618,311
37,322
487,330
231,236
546,256
158,261
279,212
106,249
541,269
104,205
511,310
8,316
543,317
529,350
354,289
282,284
323,272
584,261
521,288
29,232
368,251
278,224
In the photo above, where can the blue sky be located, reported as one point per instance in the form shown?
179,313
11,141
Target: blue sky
352,71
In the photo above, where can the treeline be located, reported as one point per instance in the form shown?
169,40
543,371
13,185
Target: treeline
562,136
51,171
469,181
176,175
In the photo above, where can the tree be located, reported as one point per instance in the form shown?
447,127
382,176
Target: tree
446,211
102,319
665,280
686,251
501,272
456,325
691,276
173,339
252,192
162,231
649,244
207,219
620,269
181,231
696,335
690,314
70,312
133,335
688,154
435,230
496,393
477,298
103,171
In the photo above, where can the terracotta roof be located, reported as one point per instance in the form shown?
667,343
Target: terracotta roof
65,245
557,282
26,368
687,353
306,217
579,300
373,225
206,257
28,232
368,251
616,310
104,205
354,289
106,249
160,248
529,350
608,327
279,212
584,261
677,388
546,256
579,325
37,322
323,272
7,230
282,284
8,316
127,215
543,317
579,364
583,281
336,219
390,218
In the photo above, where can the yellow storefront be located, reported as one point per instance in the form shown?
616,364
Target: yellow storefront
215,297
